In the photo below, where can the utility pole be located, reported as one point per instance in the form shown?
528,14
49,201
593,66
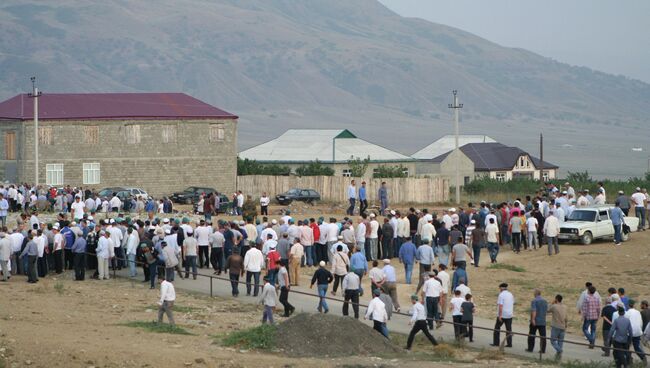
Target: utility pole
456,106
541,157
35,94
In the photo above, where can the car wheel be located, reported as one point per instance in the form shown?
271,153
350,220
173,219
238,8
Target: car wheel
188,201
587,238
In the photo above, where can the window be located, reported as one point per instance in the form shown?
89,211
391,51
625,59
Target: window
54,174
217,133
91,134
91,173
133,134
545,176
375,172
169,133
347,173
45,135
405,171
501,176
466,180
10,145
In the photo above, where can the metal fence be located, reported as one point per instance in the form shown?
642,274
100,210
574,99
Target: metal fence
334,188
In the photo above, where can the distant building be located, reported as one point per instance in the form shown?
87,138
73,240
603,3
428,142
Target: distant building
494,160
331,147
161,142
448,143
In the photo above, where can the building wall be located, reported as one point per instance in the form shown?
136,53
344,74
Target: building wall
6,165
340,167
448,168
157,167
509,174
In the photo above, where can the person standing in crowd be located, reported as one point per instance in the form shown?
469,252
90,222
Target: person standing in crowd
190,250
390,283
4,208
235,268
640,203
79,253
459,254
267,298
104,253
264,204
445,279
352,197
166,302
618,219
171,260
283,282
551,231
322,278
132,242
5,254
457,314
382,196
620,335
538,310
387,238
431,292
532,227
351,284
559,324
637,331
590,313
307,241
30,252
202,234
295,256
217,241
359,266
505,312
425,256
407,257
514,227
607,314
377,311
419,323
478,238
340,266
253,264
467,319
363,199
492,235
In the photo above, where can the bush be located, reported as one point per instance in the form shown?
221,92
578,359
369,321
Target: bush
314,168
260,337
384,171
358,166
252,167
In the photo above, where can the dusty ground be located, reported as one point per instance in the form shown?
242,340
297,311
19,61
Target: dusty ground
62,323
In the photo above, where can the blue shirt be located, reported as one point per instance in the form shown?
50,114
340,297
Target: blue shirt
389,272
4,206
358,262
425,254
69,237
621,330
540,306
362,193
407,253
79,245
617,216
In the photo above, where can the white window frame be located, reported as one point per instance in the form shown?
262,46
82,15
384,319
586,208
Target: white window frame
92,172
132,132
54,174
545,176
501,176
347,173
217,132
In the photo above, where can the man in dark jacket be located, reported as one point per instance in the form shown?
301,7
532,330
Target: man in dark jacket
322,278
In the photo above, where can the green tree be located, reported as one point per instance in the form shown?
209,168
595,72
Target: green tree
252,167
578,177
314,168
384,171
358,166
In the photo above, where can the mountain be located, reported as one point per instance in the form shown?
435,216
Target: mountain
322,63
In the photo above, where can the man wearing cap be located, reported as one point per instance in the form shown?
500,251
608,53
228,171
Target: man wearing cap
307,241
425,256
419,323
377,311
340,266
382,196
432,289
78,208
623,202
552,230
407,258
390,283
618,219
372,231
216,241
600,197
322,278
30,252
640,203
505,310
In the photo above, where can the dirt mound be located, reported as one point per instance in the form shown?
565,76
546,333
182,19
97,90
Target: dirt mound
326,335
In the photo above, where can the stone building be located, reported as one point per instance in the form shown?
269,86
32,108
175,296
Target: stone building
160,142
331,147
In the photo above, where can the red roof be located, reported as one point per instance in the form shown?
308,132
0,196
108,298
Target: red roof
103,106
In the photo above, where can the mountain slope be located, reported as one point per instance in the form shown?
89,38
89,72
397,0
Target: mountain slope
285,63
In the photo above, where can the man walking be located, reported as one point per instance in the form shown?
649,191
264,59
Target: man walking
235,268
267,298
295,255
283,282
424,254
638,199
351,284
382,195
559,324
407,258
431,291
5,254
620,335
390,284
551,230
538,310
352,197
377,311
253,263
363,200
505,311
419,323
637,331
618,218
166,302
322,277
590,312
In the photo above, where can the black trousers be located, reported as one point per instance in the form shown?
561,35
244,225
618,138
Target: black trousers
216,257
204,256
42,266
458,328
337,279
432,310
620,356
420,325
264,210
363,205
284,299
497,327
351,296
468,330
531,339
69,259
58,260
31,268
79,266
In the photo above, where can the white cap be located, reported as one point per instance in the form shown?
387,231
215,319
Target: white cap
452,209
274,222
472,222
272,245
387,261
428,217
392,212
322,263
90,218
340,237
372,215
168,231
165,220
112,221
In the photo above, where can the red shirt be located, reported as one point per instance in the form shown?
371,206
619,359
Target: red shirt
274,257
316,230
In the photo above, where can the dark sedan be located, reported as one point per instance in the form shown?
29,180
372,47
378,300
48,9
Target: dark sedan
191,194
296,194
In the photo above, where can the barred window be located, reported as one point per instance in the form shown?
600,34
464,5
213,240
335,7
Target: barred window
45,135
91,134
217,133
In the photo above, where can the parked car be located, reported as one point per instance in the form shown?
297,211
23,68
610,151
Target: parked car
191,194
589,223
135,192
108,192
297,194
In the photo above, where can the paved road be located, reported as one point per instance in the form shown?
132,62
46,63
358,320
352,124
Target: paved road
398,323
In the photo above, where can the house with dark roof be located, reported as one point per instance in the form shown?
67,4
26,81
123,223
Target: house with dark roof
491,159
161,142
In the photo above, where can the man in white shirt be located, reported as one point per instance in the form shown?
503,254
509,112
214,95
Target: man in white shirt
373,238
445,279
132,242
446,219
5,255
531,226
16,239
253,264
116,236
104,253
419,322
637,331
428,230
600,197
240,202
352,197
360,234
332,238
492,234
166,302
115,203
551,230
264,204
78,207
505,310
640,202
377,311
202,235
582,200
431,291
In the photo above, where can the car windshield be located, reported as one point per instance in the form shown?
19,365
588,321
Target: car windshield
582,215
189,189
293,191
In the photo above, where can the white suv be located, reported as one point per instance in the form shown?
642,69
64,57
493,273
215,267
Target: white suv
588,223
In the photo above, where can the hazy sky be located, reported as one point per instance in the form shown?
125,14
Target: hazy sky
607,35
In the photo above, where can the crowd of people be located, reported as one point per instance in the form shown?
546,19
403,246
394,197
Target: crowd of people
338,251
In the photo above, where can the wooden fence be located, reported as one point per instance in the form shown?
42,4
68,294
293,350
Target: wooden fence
334,188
